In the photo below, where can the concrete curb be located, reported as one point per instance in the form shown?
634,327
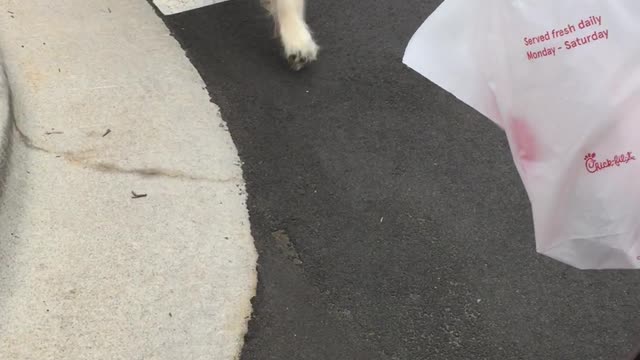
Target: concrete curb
6,130
106,104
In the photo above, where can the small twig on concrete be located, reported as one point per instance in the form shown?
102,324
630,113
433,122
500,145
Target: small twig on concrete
137,196
107,133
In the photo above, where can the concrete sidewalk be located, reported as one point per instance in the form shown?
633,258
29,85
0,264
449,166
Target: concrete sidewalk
105,104
169,7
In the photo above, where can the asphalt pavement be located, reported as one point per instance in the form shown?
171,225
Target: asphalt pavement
388,216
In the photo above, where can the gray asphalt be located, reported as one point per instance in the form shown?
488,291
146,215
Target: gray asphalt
389,218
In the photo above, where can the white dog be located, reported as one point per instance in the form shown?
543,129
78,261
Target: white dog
297,41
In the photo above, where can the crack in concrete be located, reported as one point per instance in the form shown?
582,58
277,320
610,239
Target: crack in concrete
80,158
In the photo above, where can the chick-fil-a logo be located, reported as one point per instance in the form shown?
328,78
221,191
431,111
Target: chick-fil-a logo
593,165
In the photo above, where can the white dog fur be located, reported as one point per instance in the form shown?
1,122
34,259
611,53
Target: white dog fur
299,47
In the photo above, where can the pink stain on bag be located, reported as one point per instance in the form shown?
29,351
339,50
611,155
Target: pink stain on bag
570,71
524,140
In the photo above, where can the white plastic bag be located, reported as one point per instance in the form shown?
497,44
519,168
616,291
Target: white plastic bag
562,78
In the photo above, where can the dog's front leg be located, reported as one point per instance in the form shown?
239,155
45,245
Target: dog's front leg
299,46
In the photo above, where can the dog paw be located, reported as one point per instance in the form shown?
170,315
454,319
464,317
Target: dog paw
300,59
299,48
